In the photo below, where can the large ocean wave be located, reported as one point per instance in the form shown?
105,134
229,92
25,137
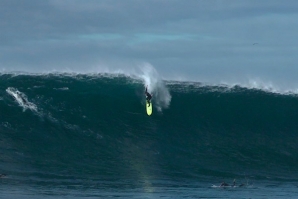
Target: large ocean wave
59,127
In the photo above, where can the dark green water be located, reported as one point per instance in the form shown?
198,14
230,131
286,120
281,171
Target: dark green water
89,136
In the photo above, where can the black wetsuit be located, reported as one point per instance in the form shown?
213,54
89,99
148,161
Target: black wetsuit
148,96
224,184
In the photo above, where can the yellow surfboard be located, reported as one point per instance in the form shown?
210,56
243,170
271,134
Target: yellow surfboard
149,108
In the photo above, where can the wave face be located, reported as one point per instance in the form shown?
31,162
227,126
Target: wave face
63,129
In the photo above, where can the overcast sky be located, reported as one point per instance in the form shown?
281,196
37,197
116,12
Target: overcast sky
202,40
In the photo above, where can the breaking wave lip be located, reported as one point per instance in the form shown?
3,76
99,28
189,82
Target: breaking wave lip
144,74
227,87
75,75
267,87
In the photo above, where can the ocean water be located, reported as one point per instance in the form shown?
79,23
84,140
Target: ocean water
88,136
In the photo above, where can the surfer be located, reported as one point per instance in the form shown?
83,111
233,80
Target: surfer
223,184
2,175
148,96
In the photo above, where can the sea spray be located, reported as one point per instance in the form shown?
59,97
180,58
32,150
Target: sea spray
21,99
156,86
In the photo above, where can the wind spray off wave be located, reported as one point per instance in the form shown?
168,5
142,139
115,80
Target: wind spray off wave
156,86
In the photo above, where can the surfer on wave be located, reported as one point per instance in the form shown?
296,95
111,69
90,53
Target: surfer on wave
2,175
148,96
224,184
